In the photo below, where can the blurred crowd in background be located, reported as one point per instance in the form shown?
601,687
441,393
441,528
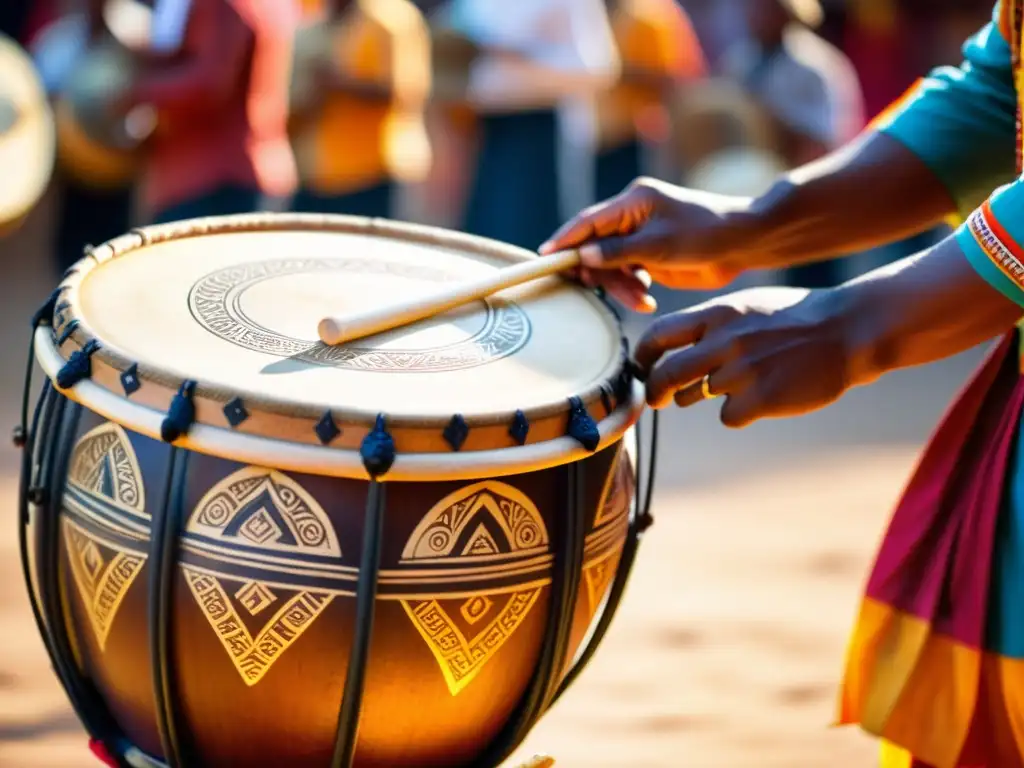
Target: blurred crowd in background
497,117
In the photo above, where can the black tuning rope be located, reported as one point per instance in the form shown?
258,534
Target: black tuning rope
641,521
378,455
163,557
43,316
567,567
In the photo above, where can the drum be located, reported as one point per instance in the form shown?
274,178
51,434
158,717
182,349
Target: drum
247,548
26,135
715,116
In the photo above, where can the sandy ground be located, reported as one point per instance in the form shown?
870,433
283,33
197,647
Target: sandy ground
727,649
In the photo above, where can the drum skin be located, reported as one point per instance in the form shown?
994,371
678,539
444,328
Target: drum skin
264,608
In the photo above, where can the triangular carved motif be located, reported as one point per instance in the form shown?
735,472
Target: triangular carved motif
257,507
103,469
488,524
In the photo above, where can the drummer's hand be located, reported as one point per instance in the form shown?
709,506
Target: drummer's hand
769,351
684,238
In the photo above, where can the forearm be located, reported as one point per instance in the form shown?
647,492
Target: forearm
872,192
918,310
940,150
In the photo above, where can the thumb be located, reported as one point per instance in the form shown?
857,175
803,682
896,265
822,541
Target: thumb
638,249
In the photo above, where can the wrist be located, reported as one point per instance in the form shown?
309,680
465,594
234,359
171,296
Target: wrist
869,351
743,232
771,222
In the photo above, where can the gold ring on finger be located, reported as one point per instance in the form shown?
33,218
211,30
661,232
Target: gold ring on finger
705,388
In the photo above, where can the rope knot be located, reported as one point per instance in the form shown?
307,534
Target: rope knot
78,367
378,449
582,427
181,415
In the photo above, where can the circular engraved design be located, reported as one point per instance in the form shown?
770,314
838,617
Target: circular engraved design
215,302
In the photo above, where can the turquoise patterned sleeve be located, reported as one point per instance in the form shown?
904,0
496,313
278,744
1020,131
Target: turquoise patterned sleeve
991,239
962,120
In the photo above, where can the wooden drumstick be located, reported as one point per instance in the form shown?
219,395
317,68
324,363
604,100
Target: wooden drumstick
338,330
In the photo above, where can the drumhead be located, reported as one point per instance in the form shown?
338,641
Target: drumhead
233,305
27,134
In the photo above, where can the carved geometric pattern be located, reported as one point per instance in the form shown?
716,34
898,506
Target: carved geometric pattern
475,608
254,656
255,597
505,330
104,464
257,507
503,511
460,658
267,508
613,509
615,497
597,577
101,584
484,523
104,468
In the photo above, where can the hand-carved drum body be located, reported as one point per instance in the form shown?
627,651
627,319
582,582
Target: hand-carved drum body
249,549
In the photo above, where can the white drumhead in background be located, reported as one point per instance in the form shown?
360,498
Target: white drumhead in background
741,171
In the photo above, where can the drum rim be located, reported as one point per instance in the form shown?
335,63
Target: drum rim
290,456
605,399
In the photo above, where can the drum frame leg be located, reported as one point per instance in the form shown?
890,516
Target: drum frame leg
30,495
43,487
640,521
565,579
366,599
163,559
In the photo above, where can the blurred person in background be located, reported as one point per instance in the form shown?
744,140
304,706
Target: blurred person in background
874,36
440,198
805,84
726,143
221,144
933,658
659,54
531,58
60,33
358,124
719,25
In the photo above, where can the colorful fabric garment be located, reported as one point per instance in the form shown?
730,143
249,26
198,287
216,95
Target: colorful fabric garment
961,121
654,37
223,121
356,142
916,659
936,661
